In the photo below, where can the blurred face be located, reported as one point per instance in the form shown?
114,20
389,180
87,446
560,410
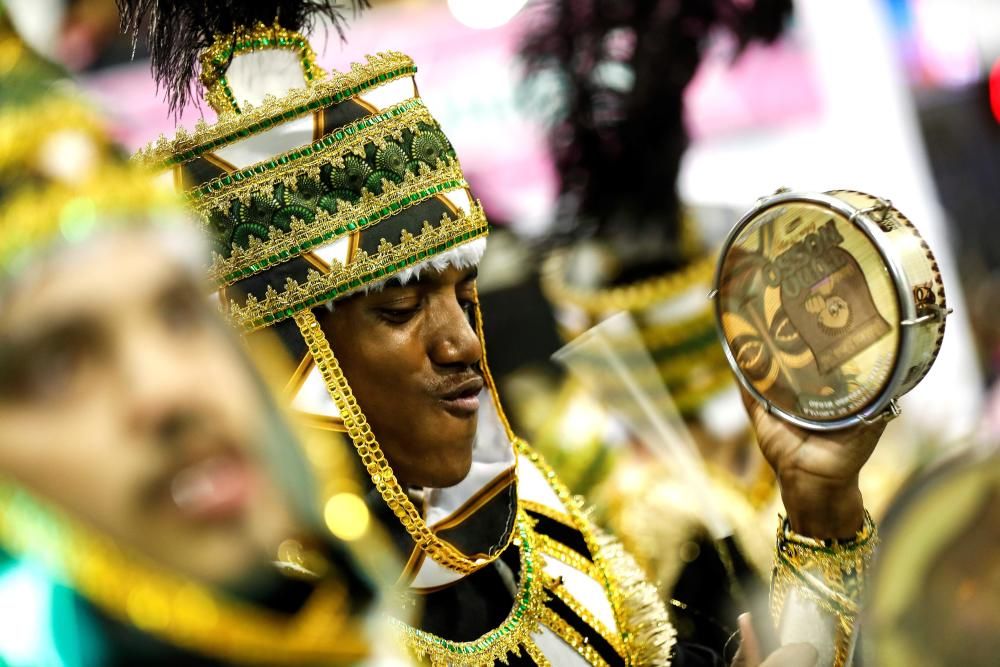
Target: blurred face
412,357
123,400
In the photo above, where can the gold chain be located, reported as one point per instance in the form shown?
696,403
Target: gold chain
374,460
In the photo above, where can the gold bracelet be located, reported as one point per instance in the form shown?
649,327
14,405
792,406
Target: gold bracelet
829,572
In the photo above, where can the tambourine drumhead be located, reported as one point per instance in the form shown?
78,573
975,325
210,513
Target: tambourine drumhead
809,311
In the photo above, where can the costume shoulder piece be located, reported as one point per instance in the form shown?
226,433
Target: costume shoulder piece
580,598
648,636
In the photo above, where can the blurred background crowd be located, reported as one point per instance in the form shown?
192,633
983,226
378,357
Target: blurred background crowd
899,98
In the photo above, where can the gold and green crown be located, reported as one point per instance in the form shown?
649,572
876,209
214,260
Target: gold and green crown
356,193
672,312
57,166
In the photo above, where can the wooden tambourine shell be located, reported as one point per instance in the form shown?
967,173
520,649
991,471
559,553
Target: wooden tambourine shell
829,306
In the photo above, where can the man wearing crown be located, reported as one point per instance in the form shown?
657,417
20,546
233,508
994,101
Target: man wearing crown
342,223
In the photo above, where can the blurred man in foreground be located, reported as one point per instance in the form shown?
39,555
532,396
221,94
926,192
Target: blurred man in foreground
139,515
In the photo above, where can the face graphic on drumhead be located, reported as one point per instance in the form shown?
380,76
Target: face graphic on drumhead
806,306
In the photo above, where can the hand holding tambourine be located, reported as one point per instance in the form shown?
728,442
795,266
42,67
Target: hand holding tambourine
829,307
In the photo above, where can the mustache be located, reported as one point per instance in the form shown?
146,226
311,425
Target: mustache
458,380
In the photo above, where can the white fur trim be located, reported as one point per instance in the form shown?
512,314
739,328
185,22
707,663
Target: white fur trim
460,257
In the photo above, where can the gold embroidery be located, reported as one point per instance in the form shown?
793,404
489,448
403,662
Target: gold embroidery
287,167
342,279
274,110
511,636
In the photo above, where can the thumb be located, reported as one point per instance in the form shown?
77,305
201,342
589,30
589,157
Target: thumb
749,653
792,655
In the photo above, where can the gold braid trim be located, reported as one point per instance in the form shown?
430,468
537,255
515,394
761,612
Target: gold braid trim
273,111
329,227
220,192
831,573
546,511
556,588
563,553
216,58
374,460
633,297
535,653
568,634
651,635
362,270
180,611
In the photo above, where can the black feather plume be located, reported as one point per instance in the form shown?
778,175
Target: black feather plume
178,30
622,67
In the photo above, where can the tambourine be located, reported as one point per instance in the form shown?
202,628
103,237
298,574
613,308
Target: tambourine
830,306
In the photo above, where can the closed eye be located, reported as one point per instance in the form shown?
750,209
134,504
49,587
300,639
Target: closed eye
397,314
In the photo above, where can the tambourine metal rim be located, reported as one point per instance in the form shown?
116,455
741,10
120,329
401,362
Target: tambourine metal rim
884,405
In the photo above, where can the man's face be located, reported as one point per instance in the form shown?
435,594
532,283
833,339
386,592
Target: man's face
123,400
412,358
